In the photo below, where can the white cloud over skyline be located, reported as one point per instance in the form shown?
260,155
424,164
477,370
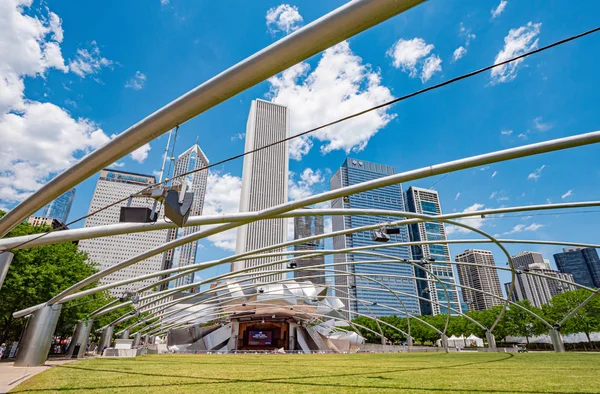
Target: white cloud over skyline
517,42
410,55
283,18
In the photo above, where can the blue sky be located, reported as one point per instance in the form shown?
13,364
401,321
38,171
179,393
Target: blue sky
75,73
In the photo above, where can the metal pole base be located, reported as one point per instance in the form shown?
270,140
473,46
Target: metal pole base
5,260
125,334
80,339
37,338
444,342
557,342
491,339
137,339
105,339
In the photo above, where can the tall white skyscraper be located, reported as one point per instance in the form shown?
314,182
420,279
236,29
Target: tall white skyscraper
190,160
114,185
264,182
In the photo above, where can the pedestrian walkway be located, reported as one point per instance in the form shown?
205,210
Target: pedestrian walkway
11,376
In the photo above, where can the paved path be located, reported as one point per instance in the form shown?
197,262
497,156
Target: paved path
11,376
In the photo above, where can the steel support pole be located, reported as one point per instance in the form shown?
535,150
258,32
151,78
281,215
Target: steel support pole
79,339
557,341
444,342
105,339
5,260
491,339
146,339
37,338
137,339
125,334
292,336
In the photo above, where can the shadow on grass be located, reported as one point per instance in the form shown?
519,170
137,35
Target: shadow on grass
286,380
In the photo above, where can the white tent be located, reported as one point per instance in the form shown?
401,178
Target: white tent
473,340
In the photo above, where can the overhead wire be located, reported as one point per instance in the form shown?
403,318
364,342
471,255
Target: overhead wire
340,120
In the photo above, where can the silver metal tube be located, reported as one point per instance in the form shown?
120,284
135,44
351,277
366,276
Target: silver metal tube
37,337
340,24
33,240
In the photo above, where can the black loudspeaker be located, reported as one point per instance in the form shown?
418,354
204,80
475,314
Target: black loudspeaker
136,215
176,212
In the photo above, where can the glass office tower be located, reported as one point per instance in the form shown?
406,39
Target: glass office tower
60,208
389,198
427,202
582,263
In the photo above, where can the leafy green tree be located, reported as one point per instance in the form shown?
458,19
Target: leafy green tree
519,322
586,319
36,275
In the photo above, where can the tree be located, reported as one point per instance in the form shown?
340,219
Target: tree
520,322
36,275
586,319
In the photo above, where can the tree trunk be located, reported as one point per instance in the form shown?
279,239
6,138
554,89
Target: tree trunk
527,339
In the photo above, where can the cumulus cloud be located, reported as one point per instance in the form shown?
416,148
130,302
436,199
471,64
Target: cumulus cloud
517,42
39,139
88,61
222,196
458,53
238,136
537,173
474,221
409,55
141,153
303,187
457,196
519,228
567,194
283,18
340,85
506,132
137,81
494,174
498,10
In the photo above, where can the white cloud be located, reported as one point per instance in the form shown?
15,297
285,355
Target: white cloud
407,55
494,174
484,168
340,85
517,42
222,196
519,228
303,187
474,221
567,194
137,81
117,164
537,173
88,61
494,194
540,125
506,132
466,34
141,153
457,196
498,10
432,65
458,53
238,136
164,2
522,136
39,139
283,18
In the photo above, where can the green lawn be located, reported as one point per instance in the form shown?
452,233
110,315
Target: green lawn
410,373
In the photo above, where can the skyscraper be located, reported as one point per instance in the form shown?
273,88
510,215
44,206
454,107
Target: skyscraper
264,183
115,185
307,226
582,263
539,290
59,208
352,172
524,260
480,278
426,201
191,159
